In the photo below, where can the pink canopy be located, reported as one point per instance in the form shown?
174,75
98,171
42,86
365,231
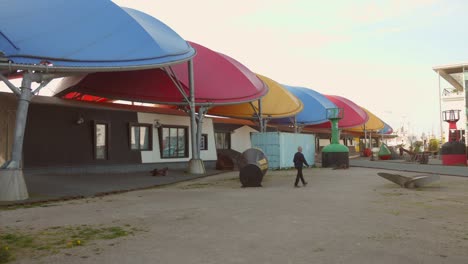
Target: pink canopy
218,80
353,114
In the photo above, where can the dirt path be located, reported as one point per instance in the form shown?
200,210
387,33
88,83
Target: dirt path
342,216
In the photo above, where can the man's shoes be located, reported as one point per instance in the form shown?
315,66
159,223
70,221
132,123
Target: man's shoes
305,184
296,186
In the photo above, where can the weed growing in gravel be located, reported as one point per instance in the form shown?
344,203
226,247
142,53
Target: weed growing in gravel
5,254
14,242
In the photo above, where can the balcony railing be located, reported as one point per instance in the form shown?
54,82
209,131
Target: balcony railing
451,92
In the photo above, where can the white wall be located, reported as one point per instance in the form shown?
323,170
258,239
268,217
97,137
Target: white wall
240,138
208,128
324,142
155,155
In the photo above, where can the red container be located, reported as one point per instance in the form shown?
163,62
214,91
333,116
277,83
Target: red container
453,153
367,152
385,157
454,159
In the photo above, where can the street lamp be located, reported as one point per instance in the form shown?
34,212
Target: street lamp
452,117
453,152
335,154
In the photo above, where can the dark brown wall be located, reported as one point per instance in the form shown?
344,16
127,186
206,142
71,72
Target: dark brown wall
53,138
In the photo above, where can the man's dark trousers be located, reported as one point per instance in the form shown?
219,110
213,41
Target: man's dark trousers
299,176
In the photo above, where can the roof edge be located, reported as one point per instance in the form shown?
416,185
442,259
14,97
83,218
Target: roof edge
77,69
450,66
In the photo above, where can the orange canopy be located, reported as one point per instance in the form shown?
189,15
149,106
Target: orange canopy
277,103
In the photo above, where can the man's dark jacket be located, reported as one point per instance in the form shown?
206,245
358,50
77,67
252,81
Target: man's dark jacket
299,160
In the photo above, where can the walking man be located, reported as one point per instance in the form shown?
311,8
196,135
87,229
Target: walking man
299,162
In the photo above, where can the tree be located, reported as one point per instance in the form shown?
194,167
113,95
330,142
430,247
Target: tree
417,146
433,145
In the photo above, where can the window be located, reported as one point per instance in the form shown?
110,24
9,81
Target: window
223,140
141,137
204,142
101,140
173,141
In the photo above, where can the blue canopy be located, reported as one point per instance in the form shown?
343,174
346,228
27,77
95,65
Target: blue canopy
386,130
85,35
315,107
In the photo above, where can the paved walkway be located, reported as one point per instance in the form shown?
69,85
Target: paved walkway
49,187
434,166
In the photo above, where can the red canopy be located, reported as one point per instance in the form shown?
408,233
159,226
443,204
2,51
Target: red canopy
218,79
353,114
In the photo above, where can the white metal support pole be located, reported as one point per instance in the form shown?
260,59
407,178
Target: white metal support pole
440,112
12,184
466,102
20,124
201,115
192,110
265,123
196,165
296,127
365,137
260,117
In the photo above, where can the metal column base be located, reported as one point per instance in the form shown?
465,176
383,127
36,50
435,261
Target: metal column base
12,185
335,160
196,166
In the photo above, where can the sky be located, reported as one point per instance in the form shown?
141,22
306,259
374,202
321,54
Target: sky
377,53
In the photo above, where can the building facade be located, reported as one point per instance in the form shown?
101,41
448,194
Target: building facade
96,137
453,96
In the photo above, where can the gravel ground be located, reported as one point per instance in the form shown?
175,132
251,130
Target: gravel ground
342,216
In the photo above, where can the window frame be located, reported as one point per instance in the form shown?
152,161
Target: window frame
227,138
186,141
107,140
204,139
150,136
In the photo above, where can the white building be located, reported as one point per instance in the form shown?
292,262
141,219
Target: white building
453,95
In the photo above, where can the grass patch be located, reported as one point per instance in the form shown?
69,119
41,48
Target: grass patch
14,242
395,212
5,254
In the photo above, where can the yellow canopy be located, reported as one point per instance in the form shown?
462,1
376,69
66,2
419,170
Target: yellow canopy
277,103
374,123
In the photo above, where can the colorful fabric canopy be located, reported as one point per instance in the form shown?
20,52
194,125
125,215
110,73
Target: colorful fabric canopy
277,103
220,79
315,107
373,124
386,130
353,114
217,81
85,36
